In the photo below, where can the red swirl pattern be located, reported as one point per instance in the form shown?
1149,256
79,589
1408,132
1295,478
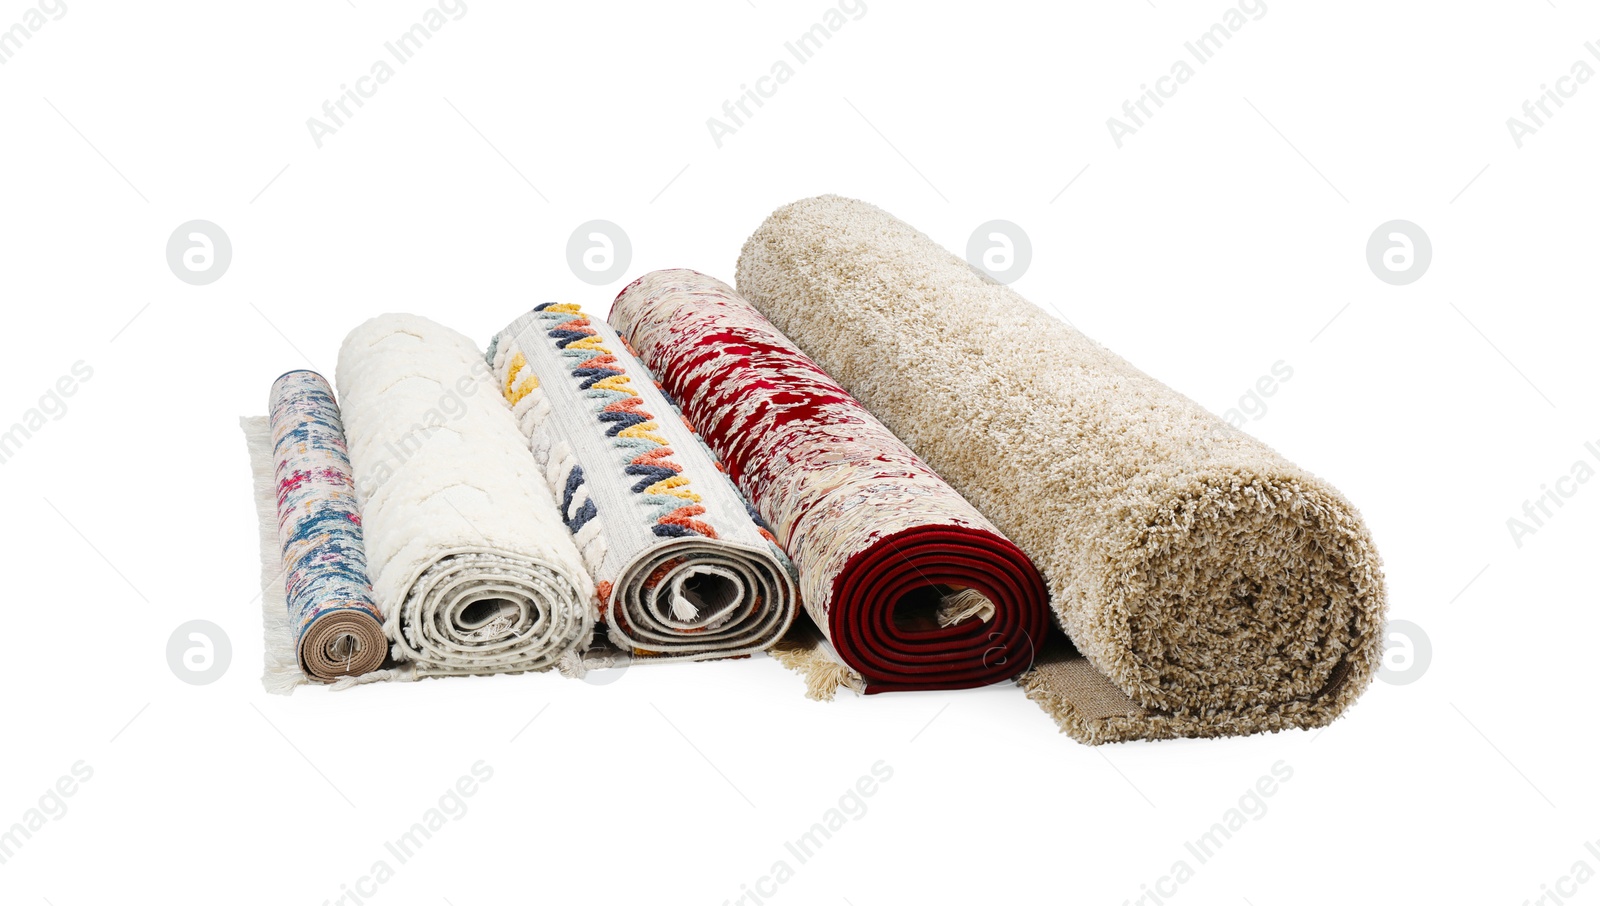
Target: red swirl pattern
871,529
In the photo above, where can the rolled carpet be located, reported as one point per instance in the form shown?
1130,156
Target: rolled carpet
912,586
336,628
1210,586
683,568
470,561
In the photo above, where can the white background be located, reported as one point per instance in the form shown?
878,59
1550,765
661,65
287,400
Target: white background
1226,235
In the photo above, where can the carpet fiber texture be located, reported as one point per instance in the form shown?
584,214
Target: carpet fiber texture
1211,587
337,629
683,567
470,561
883,547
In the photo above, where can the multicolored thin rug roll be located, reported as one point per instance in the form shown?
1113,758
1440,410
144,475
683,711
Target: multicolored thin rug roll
913,588
682,566
337,630
471,563
1211,586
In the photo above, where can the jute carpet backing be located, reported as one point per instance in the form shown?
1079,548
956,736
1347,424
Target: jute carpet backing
911,585
682,567
1210,586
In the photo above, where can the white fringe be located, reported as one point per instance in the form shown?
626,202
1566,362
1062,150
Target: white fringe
281,671
962,605
805,651
683,608
575,664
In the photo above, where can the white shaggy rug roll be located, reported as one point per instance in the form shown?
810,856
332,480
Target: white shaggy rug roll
1211,587
470,562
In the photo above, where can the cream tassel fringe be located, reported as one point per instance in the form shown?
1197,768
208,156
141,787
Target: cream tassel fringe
807,653
957,606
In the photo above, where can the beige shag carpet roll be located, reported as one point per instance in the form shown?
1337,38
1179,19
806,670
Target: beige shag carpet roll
1211,587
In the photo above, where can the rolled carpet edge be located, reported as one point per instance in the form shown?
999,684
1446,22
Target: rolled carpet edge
281,672
683,567
470,563
837,488
870,636
1211,587
1304,543
337,627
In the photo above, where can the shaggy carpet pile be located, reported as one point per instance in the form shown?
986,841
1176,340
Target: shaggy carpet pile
1210,586
683,567
913,588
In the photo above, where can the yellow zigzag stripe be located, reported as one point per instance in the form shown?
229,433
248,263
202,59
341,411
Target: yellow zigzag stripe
617,383
514,390
668,486
644,431
518,362
677,485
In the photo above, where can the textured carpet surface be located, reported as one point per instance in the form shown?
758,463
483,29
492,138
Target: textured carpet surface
1212,586
683,568
882,545
281,673
336,627
470,561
